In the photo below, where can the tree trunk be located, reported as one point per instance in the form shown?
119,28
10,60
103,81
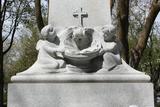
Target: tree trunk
122,14
1,61
137,51
38,14
1,71
112,2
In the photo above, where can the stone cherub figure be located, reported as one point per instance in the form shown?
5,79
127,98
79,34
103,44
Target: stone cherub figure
50,58
77,48
111,49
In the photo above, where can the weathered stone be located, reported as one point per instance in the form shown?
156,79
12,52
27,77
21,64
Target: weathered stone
80,94
61,12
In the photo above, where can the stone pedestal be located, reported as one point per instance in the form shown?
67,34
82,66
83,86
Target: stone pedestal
68,90
61,76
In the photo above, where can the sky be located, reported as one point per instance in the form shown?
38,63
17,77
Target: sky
158,18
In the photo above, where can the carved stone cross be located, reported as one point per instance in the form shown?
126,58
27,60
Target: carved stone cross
86,13
80,15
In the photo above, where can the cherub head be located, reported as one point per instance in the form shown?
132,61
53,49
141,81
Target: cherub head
109,33
82,37
48,33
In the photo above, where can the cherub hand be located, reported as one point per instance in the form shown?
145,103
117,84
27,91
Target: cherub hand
60,50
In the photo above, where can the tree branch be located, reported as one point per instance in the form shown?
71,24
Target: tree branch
8,35
137,51
123,15
4,11
112,2
14,29
1,60
38,14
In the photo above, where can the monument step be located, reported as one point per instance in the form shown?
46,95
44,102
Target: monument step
80,95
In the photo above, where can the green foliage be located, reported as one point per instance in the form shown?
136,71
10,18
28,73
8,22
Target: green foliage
151,57
27,55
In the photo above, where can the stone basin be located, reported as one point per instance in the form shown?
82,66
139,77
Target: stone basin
80,62
81,56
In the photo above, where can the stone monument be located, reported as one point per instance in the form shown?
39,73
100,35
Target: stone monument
79,63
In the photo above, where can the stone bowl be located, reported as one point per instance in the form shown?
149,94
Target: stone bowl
81,56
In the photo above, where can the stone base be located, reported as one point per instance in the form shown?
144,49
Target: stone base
81,94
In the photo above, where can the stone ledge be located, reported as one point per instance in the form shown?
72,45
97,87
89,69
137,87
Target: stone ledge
64,78
80,95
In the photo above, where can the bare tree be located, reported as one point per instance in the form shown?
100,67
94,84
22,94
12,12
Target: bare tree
137,51
38,14
122,16
13,12
1,59
123,24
